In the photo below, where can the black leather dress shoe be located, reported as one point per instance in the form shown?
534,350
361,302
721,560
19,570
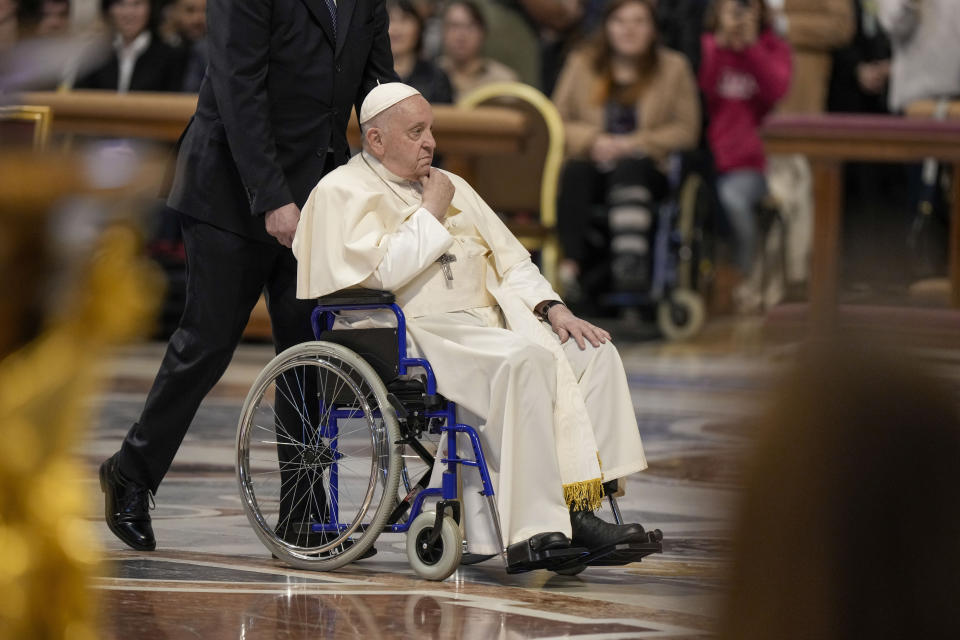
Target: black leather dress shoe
475,558
126,507
593,533
312,539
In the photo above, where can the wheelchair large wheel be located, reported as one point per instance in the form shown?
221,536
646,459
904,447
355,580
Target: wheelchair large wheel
317,463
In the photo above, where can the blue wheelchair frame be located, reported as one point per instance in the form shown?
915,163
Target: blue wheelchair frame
322,320
438,415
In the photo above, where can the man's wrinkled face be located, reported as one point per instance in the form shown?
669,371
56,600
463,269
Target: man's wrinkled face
408,143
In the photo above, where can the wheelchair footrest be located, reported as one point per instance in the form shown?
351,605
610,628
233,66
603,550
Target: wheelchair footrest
521,558
626,553
619,554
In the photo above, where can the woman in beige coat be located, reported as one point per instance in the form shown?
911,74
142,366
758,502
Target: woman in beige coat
626,104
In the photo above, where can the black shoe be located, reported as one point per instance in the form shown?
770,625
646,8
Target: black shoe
475,558
593,533
369,553
315,539
126,507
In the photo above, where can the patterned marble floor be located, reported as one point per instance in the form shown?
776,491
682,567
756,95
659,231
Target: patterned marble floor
211,578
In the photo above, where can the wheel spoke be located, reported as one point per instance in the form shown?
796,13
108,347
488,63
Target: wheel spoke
288,467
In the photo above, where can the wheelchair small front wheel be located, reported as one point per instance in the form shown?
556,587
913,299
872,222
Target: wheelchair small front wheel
681,314
439,559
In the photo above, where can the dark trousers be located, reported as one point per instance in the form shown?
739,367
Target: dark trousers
627,195
226,274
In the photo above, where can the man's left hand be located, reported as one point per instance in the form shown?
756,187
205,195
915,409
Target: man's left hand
565,325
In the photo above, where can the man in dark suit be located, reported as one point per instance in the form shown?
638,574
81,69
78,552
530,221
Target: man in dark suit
272,115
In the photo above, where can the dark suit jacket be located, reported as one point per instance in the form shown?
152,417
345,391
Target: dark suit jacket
276,97
159,68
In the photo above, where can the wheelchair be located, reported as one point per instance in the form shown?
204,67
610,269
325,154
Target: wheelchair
681,256
336,444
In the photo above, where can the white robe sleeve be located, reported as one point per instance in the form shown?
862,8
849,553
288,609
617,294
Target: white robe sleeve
414,246
525,281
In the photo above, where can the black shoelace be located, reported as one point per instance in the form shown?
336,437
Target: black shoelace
136,502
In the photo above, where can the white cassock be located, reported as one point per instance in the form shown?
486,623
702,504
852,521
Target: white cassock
554,420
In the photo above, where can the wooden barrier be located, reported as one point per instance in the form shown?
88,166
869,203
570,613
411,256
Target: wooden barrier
831,140
463,135
928,109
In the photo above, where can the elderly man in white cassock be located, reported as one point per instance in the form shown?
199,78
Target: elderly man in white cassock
546,390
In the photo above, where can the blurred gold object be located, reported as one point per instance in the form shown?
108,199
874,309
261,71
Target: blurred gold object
25,124
539,165
48,367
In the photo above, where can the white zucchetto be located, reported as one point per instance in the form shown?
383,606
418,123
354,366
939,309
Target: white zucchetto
384,96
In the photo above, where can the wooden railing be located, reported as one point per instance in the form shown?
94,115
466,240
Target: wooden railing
831,140
462,134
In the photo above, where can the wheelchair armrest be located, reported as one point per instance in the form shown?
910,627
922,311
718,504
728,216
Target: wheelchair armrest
347,297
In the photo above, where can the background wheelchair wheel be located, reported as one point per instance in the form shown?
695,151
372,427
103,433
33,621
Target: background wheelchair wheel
315,445
695,268
681,315
439,560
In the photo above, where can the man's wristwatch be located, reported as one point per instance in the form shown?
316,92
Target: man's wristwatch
546,308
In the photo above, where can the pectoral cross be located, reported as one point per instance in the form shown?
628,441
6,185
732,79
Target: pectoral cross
445,261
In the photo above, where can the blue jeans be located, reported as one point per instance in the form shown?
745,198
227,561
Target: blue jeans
740,191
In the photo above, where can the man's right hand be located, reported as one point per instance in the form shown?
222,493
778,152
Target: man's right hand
282,223
437,193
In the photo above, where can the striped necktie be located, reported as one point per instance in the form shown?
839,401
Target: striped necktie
332,8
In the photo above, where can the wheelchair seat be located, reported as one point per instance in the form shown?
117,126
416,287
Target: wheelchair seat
350,297
378,346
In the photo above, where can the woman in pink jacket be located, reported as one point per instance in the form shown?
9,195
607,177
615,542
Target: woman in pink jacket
745,71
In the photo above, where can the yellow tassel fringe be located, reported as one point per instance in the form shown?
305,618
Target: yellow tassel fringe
585,495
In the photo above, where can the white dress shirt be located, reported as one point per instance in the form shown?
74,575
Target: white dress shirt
127,56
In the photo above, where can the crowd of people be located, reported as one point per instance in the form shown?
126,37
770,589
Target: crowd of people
637,83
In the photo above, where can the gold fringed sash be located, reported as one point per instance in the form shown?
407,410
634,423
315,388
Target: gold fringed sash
584,496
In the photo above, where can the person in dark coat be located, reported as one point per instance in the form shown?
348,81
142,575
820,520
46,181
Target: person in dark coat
140,60
875,198
406,41
271,120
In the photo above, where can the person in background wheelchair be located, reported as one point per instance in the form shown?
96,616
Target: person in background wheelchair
627,103
552,408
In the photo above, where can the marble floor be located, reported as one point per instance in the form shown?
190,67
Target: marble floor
211,578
